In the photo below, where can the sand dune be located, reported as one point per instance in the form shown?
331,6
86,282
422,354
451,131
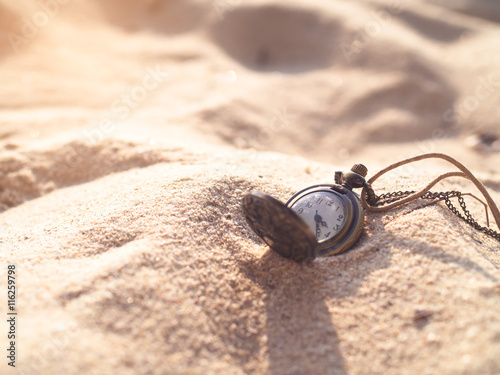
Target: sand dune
130,132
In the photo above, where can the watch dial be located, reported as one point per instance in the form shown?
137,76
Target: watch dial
323,211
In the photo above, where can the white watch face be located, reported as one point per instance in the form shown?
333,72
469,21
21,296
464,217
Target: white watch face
324,212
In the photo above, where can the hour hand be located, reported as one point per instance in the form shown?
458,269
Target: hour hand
319,220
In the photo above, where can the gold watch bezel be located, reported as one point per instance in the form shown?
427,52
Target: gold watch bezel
353,225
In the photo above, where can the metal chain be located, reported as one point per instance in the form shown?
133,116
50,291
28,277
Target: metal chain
383,199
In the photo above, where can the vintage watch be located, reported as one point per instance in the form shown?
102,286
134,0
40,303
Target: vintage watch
319,220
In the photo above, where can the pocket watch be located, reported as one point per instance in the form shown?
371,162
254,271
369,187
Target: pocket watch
319,220
328,219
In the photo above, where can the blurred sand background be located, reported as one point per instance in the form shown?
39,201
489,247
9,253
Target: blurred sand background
130,131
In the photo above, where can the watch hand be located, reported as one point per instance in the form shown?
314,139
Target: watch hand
319,220
317,217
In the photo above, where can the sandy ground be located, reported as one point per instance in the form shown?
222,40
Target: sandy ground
131,130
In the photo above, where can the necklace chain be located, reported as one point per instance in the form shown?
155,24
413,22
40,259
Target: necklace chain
383,199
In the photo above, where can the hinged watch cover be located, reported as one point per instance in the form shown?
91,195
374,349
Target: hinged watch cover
281,228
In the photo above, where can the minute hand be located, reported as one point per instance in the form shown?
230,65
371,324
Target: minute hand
318,219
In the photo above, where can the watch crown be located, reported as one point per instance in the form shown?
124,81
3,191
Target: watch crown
359,169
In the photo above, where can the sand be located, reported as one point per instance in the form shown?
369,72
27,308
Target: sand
131,130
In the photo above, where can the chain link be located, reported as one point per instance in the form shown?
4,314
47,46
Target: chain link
387,198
